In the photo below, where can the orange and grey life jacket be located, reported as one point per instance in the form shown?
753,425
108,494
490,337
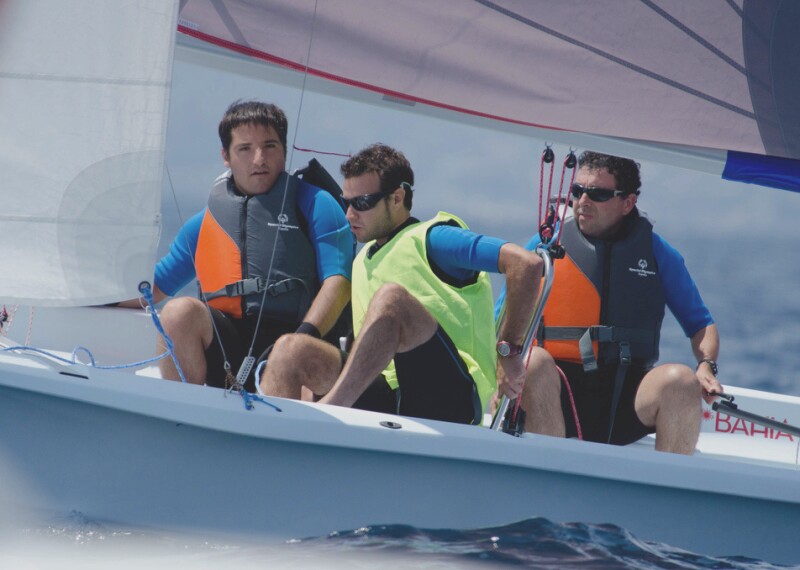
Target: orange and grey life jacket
606,304
251,243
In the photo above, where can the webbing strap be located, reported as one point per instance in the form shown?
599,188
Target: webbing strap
605,334
619,380
587,352
255,285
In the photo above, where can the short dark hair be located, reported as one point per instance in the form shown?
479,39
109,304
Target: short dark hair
624,170
391,166
252,113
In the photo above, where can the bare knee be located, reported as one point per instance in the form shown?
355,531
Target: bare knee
542,371
393,300
680,380
183,312
297,361
393,304
291,349
671,387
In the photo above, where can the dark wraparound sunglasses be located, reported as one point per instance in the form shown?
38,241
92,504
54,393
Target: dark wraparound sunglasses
595,193
368,201
365,201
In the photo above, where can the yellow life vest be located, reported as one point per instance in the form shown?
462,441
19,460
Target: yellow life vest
464,312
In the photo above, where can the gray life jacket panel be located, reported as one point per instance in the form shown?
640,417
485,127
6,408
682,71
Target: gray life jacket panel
625,274
276,253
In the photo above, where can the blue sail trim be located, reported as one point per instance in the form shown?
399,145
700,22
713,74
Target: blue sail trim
772,171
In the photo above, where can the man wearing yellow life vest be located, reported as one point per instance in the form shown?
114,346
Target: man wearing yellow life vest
601,325
422,308
272,254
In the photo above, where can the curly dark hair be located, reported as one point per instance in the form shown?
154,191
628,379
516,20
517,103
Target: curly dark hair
391,166
624,170
252,113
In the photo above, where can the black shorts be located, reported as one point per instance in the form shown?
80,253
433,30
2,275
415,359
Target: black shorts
433,383
236,336
593,392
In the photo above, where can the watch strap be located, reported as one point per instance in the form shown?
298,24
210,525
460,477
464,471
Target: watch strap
711,363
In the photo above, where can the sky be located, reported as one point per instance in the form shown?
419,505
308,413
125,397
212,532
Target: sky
490,178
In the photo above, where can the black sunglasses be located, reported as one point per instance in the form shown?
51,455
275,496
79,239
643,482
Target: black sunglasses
368,201
365,201
594,193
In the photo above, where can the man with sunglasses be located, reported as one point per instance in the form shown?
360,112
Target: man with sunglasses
422,308
594,367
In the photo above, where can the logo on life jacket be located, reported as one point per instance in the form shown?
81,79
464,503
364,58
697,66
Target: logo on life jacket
642,271
282,225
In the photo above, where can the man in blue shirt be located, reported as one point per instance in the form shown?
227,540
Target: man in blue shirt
593,373
422,308
272,254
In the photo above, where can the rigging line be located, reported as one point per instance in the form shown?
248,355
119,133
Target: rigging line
735,8
287,178
694,35
229,22
303,85
329,153
604,54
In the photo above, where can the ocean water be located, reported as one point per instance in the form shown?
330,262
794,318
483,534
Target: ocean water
534,543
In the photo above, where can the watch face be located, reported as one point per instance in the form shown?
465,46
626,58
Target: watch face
506,349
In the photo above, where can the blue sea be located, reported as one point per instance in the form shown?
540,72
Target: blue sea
534,543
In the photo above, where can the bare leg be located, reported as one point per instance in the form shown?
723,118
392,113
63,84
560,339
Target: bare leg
395,322
541,398
669,399
300,364
188,324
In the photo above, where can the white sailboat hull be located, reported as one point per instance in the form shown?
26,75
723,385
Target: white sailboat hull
141,451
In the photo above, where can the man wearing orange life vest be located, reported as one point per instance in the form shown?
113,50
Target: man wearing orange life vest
268,245
601,325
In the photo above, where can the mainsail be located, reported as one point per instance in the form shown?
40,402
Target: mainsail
714,76
84,89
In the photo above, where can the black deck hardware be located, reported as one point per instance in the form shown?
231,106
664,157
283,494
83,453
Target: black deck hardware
727,406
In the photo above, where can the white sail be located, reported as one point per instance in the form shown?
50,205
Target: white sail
709,75
84,89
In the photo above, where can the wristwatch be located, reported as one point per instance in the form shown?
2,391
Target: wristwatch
507,349
711,363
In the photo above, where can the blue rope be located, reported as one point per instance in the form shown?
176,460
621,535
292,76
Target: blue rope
133,364
247,398
40,351
147,293
86,350
92,362
250,398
